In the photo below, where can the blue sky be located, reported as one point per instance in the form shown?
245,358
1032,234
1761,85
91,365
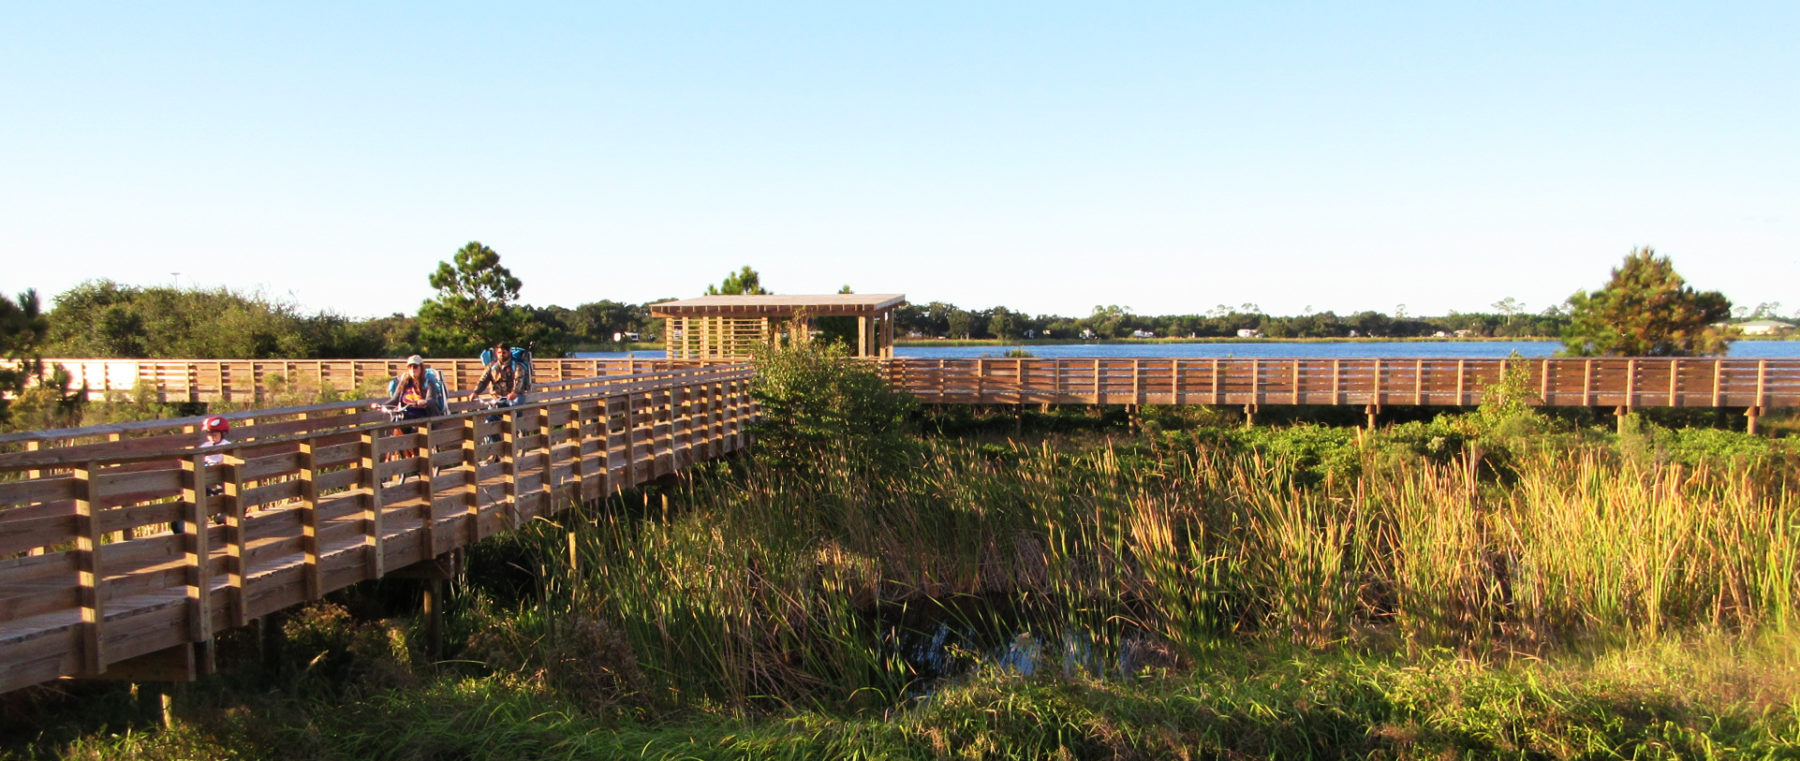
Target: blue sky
1048,157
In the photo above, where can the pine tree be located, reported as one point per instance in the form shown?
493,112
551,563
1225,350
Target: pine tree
1647,310
474,307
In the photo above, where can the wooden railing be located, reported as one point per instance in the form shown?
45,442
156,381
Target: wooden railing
102,441
115,555
120,544
255,380
1599,382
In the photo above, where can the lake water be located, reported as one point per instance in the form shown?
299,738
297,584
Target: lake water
1251,349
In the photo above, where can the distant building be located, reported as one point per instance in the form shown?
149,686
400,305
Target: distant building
728,326
1142,334
1765,328
1250,333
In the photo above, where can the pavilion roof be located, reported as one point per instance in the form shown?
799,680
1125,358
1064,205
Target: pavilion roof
780,305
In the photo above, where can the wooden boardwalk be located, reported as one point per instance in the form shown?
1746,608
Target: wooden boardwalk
1629,383
96,580
253,380
120,558
1572,382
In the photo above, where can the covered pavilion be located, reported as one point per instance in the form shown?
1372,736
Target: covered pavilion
727,327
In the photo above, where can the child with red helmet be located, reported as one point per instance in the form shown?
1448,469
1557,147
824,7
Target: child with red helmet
215,427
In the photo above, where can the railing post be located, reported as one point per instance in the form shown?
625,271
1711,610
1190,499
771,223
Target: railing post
196,553
1337,380
1137,381
1762,387
1631,373
509,467
1762,383
1255,382
1587,383
373,542
1375,393
428,515
715,417
1294,381
1419,382
89,572
1218,382
471,475
309,520
236,557
1674,383
1718,382
1462,368
663,412
547,481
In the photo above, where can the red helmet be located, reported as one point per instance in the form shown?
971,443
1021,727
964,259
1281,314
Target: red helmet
215,424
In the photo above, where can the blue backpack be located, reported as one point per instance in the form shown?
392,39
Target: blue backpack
521,360
440,401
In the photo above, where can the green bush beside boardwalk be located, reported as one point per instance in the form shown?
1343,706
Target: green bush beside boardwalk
1497,584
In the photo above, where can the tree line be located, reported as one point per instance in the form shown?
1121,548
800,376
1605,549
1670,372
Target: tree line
1646,308
938,319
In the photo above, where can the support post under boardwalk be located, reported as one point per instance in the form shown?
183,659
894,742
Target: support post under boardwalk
432,607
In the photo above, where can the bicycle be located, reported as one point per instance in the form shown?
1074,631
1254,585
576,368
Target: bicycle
491,403
397,413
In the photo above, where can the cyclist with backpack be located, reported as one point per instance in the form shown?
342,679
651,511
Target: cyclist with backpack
504,382
417,393
507,376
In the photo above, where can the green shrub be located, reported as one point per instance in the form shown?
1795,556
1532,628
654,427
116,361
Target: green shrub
821,410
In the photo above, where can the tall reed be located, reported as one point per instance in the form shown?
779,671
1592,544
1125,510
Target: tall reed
751,586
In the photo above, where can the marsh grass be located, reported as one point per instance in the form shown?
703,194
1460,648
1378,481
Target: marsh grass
751,590
1706,696
1495,588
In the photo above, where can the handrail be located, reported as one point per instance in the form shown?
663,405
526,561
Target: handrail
1389,381
108,440
250,380
1624,382
141,554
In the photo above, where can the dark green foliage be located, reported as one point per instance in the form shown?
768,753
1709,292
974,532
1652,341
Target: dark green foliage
744,282
823,411
102,318
23,329
1646,310
1108,322
475,306
596,323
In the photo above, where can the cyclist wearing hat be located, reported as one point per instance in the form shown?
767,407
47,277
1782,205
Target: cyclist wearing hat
413,393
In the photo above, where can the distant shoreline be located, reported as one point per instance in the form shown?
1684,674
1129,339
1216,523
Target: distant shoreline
1208,340
954,342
